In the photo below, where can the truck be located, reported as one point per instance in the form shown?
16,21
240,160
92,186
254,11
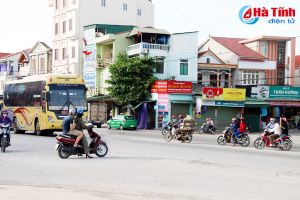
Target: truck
97,113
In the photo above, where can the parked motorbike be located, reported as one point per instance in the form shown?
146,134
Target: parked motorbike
65,147
205,129
4,136
284,143
227,136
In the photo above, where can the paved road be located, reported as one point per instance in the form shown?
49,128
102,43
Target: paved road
141,165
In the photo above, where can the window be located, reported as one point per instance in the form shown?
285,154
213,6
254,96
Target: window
159,69
139,12
207,60
64,53
64,26
56,54
70,24
250,77
103,3
125,6
264,48
73,52
33,65
56,28
42,62
281,52
184,67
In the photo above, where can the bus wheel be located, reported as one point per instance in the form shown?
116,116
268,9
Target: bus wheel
37,128
15,127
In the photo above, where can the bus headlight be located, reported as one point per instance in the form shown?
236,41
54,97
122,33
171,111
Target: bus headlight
50,119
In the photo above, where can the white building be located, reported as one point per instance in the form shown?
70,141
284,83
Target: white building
70,16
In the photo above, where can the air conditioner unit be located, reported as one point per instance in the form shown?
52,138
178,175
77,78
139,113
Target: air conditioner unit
172,77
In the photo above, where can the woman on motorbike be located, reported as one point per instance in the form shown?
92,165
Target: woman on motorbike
79,126
4,119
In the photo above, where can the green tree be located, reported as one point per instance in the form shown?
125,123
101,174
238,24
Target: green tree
131,79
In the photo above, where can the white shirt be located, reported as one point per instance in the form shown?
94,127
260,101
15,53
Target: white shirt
276,129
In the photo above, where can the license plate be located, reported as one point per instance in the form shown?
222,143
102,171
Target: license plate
56,147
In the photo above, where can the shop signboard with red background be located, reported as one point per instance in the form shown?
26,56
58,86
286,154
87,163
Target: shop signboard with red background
172,87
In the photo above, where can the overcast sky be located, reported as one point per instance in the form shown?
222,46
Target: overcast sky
24,22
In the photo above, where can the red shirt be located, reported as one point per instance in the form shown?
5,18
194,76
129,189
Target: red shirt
242,127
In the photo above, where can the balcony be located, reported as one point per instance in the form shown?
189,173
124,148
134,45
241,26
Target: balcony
104,62
148,49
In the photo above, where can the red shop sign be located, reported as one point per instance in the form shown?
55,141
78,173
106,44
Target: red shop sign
172,87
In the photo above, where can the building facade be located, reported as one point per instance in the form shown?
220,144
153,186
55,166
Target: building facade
70,16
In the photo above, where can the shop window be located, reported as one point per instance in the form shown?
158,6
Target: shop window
184,67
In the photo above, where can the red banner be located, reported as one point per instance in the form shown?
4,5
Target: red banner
172,87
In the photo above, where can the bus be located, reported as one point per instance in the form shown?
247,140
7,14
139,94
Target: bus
39,103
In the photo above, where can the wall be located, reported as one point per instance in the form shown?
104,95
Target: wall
182,46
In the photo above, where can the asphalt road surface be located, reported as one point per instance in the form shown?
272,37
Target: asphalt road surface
141,165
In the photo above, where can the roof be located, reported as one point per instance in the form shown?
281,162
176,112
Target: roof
212,53
297,61
4,54
13,54
234,45
266,37
37,43
137,30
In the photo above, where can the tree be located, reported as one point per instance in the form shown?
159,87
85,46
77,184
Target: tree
131,79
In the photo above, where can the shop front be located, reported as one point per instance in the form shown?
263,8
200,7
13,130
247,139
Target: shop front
172,98
220,104
283,101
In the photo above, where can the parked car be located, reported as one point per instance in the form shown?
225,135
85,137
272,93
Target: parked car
122,122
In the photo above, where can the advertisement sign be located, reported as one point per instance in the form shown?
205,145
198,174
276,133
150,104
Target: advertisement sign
278,92
284,92
224,94
90,79
172,87
163,102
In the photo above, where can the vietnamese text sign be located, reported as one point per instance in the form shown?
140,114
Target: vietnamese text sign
224,94
284,92
172,87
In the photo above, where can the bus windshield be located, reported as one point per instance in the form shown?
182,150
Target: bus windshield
63,96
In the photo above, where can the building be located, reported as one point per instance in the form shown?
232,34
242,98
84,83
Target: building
297,70
37,61
228,58
10,66
70,16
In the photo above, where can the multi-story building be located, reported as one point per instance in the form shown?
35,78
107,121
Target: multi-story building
70,16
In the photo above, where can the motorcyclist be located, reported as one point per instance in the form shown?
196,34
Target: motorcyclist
211,123
234,126
4,119
69,125
241,129
284,128
79,126
178,124
276,131
270,125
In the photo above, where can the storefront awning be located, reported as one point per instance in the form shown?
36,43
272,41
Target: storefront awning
254,103
99,98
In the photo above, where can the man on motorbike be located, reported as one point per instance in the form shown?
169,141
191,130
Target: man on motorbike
276,131
4,119
69,125
211,123
178,124
270,125
234,127
241,129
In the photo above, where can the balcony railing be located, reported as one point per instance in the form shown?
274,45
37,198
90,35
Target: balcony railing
104,62
145,48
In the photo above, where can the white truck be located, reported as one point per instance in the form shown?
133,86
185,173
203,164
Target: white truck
97,113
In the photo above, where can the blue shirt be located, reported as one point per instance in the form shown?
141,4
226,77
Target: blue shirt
67,123
234,127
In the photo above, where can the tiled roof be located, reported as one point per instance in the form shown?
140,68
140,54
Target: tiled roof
4,54
297,61
234,45
13,54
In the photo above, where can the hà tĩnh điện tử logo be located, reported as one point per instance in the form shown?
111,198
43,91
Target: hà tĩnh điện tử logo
274,15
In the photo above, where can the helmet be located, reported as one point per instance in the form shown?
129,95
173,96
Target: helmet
79,112
90,126
4,112
233,119
173,116
180,116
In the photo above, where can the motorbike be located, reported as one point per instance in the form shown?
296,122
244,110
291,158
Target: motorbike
205,129
65,146
4,136
184,135
284,143
227,138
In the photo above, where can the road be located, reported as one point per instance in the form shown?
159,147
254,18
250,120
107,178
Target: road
141,165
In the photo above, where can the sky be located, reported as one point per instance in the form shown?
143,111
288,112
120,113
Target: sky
23,23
